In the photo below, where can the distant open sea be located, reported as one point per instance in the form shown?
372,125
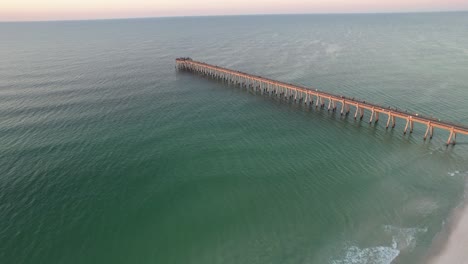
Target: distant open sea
109,155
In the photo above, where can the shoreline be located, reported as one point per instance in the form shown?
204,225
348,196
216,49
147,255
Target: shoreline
451,243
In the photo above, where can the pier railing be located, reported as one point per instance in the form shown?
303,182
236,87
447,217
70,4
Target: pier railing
289,91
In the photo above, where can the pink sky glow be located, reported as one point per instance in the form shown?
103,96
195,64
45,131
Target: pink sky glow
26,10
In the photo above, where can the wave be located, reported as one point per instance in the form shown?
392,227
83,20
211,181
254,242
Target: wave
403,240
374,255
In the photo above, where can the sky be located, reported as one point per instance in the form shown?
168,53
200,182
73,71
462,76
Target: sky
33,10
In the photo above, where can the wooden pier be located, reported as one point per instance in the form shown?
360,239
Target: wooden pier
322,99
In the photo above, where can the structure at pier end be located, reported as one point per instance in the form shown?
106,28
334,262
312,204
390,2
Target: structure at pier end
310,96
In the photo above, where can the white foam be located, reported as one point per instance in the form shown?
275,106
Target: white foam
374,255
420,206
453,173
403,239
332,49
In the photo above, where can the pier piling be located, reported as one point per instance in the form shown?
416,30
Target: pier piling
286,91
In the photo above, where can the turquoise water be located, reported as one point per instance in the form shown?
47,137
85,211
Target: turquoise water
108,155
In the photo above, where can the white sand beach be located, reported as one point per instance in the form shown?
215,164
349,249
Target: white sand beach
451,246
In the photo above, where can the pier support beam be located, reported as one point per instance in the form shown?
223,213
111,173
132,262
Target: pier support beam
371,116
452,137
411,125
388,120
427,130
406,127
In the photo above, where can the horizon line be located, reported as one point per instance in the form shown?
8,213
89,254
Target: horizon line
231,15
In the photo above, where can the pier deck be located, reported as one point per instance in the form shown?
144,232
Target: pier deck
307,95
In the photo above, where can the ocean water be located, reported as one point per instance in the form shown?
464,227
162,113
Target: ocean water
109,155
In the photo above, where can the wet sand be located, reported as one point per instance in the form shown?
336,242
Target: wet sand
451,245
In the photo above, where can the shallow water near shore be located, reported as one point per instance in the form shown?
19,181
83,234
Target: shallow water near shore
110,155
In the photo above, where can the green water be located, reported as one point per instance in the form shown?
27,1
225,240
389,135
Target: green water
109,155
